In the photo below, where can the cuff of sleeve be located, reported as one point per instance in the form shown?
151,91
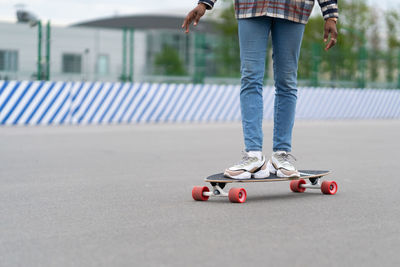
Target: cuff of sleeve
209,4
331,15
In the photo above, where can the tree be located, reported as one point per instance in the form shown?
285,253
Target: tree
392,19
310,55
375,47
227,52
168,62
354,21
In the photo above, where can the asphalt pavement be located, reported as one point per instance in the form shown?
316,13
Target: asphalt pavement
121,196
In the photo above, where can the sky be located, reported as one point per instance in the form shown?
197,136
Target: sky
65,12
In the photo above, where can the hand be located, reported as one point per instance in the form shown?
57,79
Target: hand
330,28
195,16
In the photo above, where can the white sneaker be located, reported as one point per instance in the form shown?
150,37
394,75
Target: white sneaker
280,165
250,166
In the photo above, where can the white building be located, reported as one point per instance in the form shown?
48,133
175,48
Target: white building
93,51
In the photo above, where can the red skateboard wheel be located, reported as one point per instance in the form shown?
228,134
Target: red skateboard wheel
237,195
329,187
295,186
197,193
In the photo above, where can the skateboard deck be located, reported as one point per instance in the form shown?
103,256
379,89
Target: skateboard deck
304,174
238,195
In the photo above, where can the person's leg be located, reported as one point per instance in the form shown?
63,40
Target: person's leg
253,38
286,42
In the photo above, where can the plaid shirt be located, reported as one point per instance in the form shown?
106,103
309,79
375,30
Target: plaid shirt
294,10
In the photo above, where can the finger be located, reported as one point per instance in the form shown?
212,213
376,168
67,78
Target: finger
188,20
331,43
187,23
187,28
334,34
326,35
197,19
328,46
184,24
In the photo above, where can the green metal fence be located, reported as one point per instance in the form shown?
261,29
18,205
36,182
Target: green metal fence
360,67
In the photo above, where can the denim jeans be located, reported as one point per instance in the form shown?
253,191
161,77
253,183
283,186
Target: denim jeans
286,41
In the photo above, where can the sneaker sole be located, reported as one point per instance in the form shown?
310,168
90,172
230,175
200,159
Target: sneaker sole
242,176
261,174
278,173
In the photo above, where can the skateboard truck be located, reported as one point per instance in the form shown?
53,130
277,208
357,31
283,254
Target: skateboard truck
218,191
315,183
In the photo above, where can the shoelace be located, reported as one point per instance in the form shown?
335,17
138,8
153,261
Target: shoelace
244,160
287,157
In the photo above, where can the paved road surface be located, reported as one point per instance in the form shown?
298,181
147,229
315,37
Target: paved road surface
121,196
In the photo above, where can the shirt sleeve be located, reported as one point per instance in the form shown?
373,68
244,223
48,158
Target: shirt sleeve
209,3
329,8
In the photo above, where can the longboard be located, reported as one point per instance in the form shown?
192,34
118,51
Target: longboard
304,174
238,195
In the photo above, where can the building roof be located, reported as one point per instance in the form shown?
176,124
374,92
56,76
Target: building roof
145,22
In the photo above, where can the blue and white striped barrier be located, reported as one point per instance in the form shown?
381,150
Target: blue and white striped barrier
56,103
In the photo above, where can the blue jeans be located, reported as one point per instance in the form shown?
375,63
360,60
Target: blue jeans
286,42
